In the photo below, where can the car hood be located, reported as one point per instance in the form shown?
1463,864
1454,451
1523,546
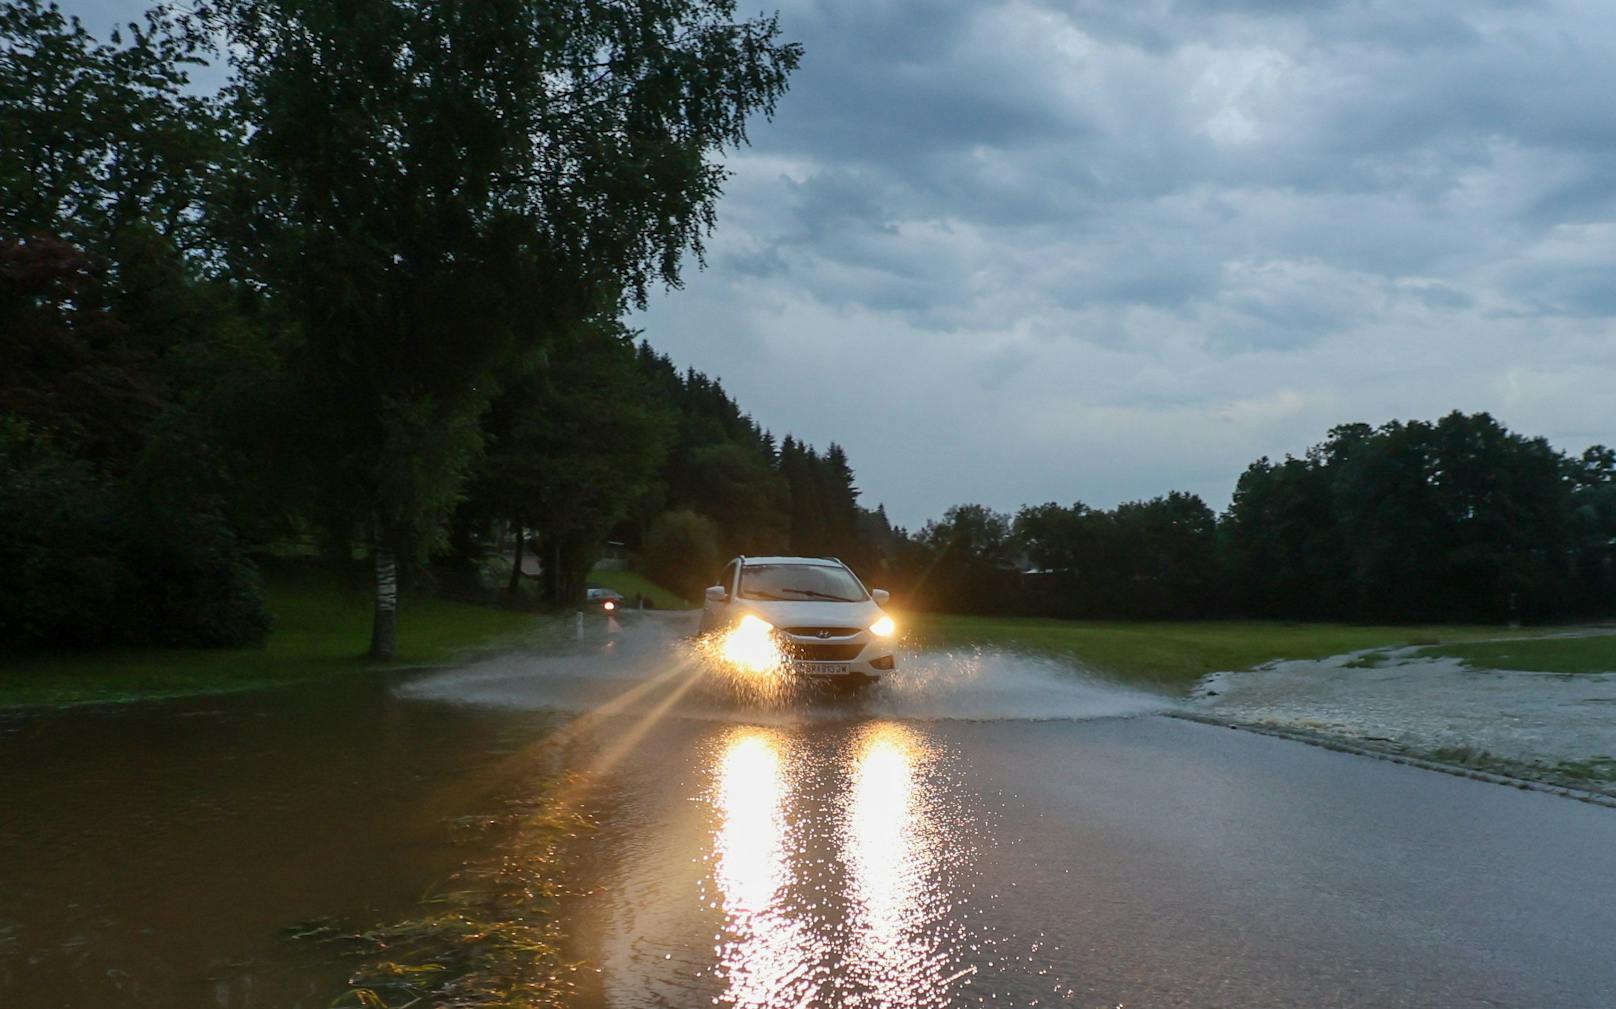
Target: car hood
813,613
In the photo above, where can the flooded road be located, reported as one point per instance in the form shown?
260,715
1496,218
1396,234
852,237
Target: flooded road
982,830
157,855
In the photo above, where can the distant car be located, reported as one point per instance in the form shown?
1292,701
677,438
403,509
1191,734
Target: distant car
598,598
810,616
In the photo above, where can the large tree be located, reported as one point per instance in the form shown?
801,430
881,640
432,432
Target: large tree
574,447
438,186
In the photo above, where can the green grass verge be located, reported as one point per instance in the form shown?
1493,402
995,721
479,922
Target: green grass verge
630,583
320,630
1178,653
1593,653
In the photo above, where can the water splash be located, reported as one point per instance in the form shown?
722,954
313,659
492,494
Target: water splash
966,685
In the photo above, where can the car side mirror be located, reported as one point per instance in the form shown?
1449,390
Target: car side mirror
716,594
880,596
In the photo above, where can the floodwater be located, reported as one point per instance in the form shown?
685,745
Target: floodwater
1429,704
984,829
156,855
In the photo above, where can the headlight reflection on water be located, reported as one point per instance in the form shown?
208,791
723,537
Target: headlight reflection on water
762,958
892,853
803,925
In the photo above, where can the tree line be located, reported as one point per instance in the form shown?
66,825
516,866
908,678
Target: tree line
613,442
366,294
1459,519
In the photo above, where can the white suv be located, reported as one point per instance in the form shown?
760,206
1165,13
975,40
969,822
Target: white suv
808,615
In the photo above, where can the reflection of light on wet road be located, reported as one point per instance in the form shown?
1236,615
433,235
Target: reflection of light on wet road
751,841
890,854
879,834
828,862
765,955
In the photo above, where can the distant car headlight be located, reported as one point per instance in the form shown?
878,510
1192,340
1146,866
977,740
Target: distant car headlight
751,646
608,606
884,628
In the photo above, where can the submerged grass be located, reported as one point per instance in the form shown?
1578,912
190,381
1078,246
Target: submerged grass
1369,660
1593,773
320,629
1176,653
491,936
1590,653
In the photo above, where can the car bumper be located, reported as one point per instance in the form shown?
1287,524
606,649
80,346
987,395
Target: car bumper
869,664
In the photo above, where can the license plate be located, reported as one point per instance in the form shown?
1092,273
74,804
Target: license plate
823,668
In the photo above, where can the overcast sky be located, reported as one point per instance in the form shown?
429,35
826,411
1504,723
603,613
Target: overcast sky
1085,250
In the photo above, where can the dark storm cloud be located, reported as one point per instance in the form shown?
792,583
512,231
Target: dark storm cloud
893,80
941,113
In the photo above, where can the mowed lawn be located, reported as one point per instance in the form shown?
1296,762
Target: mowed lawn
320,629
1175,654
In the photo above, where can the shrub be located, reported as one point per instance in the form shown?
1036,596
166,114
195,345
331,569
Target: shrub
89,561
680,551
60,574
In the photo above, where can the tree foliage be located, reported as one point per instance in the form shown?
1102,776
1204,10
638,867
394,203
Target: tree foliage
372,279
440,188
1459,519
762,499
575,446
125,413
98,137
91,560
681,551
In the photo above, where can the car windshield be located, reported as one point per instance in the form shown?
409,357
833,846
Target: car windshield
800,581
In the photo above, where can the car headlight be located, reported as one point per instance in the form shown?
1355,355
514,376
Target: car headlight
884,628
750,645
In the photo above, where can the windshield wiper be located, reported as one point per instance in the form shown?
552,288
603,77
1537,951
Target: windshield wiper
755,594
820,595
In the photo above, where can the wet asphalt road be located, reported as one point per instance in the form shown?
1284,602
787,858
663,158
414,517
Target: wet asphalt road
1137,862
992,830
982,830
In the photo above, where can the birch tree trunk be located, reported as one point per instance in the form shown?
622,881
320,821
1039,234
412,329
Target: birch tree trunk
384,628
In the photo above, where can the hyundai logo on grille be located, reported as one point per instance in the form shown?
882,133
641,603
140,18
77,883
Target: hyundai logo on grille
823,633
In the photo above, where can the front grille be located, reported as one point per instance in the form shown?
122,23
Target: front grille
814,632
822,653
